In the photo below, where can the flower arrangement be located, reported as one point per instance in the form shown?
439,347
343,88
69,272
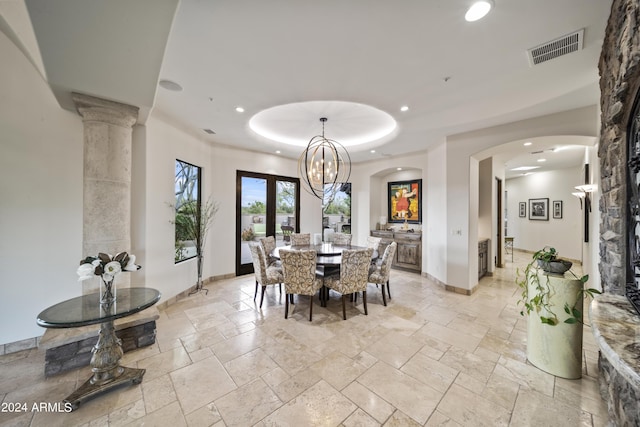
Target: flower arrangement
107,268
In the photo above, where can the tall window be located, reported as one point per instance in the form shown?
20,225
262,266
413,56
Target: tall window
188,193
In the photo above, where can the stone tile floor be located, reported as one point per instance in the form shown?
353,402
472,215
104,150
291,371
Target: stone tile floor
429,358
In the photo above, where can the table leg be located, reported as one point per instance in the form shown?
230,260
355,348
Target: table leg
105,365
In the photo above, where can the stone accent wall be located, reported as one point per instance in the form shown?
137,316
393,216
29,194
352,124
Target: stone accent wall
619,82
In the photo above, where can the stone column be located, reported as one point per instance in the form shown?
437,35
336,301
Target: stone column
107,176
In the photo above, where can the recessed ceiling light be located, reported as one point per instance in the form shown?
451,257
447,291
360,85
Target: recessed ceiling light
399,169
478,10
277,151
373,151
170,85
525,168
404,108
542,160
240,109
528,143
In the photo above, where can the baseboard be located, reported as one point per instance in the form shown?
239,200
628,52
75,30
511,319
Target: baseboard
450,288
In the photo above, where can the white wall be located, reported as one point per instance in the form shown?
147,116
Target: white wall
563,234
435,234
164,143
41,197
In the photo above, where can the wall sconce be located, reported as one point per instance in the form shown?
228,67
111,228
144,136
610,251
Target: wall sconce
584,192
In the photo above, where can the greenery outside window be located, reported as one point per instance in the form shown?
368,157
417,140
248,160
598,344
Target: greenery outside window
188,200
336,211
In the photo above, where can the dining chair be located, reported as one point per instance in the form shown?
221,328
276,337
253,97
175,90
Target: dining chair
301,239
265,275
374,242
268,245
342,239
354,274
379,274
299,274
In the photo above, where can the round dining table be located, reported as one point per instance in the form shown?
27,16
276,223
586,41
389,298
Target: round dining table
328,254
329,257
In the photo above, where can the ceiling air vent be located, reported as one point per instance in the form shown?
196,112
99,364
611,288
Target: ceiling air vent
209,131
555,48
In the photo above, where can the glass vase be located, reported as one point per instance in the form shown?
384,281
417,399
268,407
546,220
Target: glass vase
107,291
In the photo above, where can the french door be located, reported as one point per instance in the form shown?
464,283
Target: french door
264,204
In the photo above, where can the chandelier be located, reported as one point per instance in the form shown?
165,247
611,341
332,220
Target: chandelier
324,166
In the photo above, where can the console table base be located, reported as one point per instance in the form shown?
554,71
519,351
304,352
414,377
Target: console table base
88,390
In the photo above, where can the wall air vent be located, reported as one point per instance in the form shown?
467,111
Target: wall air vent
209,131
555,48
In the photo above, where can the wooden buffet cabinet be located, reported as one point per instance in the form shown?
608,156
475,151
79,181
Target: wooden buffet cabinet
409,251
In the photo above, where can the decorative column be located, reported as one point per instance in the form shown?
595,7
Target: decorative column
107,176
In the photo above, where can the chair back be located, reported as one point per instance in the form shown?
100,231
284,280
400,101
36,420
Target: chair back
342,238
354,270
373,242
387,260
299,271
259,262
301,239
268,245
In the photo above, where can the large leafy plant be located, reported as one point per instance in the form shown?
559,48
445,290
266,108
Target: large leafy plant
538,301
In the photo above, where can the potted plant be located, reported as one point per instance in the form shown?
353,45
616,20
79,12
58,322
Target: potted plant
553,345
536,293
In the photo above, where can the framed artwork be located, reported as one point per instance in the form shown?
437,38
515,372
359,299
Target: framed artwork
404,201
523,210
557,209
539,209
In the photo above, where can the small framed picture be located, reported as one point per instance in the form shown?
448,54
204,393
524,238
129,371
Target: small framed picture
539,209
523,210
557,209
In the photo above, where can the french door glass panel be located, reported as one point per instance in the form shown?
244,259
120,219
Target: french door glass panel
264,203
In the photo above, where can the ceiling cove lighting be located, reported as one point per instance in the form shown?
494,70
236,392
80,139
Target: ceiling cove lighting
324,166
478,10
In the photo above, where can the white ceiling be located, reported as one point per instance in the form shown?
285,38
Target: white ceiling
455,76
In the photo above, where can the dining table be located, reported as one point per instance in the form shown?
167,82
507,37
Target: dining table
328,260
328,254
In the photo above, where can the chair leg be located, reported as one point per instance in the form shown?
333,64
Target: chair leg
291,298
364,301
310,307
388,289
384,298
264,288
255,294
280,287
286,307
344,309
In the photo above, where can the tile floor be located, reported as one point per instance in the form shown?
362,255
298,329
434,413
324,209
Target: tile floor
429,358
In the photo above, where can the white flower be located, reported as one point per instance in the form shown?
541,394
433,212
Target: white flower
131,265
112,268
85,271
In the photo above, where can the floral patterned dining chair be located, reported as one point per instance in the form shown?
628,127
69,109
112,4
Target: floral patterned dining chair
354,275
300,239
299,273
379,274
265,275
342,239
